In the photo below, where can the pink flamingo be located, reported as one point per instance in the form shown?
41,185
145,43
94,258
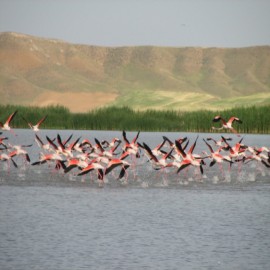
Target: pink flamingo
158,163
217,157
7,157
189,158
115,163
225,124
132,147
94,166
35,127
2,141
18,150
6,125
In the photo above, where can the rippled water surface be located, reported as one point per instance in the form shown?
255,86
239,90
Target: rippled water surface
50,220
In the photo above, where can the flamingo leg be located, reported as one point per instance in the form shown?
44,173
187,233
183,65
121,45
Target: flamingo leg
221,169
133,166
12,132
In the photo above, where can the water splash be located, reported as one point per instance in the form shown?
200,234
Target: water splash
227,177
215,179
145,184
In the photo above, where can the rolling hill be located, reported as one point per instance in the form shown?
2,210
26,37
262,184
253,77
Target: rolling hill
38,71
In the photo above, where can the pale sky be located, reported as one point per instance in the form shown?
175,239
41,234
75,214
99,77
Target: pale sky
173,23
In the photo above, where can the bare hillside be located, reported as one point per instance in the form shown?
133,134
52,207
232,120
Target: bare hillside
39,71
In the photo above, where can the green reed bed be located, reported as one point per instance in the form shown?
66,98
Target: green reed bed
255,119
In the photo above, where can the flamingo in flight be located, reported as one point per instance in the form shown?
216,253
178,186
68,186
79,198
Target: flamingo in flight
131,147
6,125
227,124
262,158
93,166
189,158
18,150
237,150
180,140
35,127
220,143
43,145
55,157
109,153
75,162
115,163
65,150
216,157
157,163
1,141
257,154
8,157
61,148
178,155
111,144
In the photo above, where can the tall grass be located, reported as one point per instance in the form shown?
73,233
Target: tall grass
255,119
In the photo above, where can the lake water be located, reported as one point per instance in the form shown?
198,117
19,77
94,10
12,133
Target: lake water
51,220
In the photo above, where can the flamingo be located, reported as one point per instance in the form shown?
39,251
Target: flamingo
189,158
47,157
86,142
61,148
157,150
157,163
93,166
43,145
217,157
115,163
227,125
109,153
67,140
66,150
7,157
180,140
35,127
177,156
220,143
1,141
257,154
111,144
75,162
237,151
132,147
18,150
263,159
6,125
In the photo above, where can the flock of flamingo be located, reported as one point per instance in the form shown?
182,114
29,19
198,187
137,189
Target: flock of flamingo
100,159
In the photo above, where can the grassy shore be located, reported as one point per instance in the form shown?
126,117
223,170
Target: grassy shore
255,119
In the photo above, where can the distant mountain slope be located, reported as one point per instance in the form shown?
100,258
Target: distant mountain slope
39,71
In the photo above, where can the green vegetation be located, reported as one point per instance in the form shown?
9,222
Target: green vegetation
255,119
187,101
142,77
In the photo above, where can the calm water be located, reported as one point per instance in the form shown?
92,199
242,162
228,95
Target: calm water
55,221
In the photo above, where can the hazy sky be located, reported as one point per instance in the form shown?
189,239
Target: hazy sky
207,23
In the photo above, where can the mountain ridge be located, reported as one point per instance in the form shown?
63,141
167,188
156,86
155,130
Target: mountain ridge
39,71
